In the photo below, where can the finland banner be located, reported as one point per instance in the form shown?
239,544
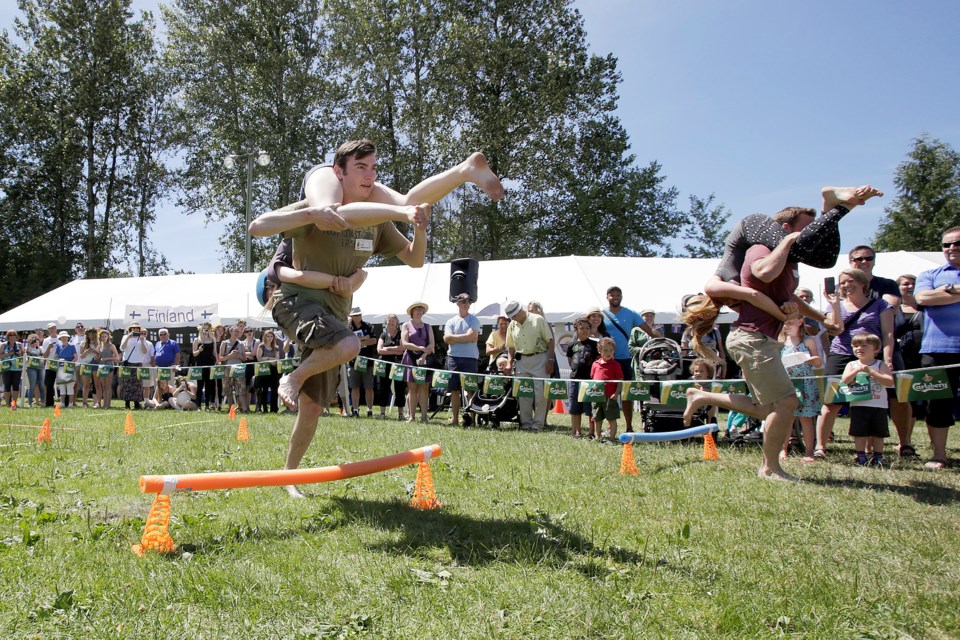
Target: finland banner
154,317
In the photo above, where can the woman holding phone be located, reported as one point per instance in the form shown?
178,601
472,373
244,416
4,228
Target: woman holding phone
854,312
205,355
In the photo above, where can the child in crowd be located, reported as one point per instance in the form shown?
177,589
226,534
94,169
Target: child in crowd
703,369
581,356
795,340
607,368
868,418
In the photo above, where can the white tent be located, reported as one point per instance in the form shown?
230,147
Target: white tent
565,286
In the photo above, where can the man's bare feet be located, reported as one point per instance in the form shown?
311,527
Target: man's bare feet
847,196
695,400
288,393
776,474
481,175
293,492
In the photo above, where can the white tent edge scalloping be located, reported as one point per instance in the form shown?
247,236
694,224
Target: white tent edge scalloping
565,286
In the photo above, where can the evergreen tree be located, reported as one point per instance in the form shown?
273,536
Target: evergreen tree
928,200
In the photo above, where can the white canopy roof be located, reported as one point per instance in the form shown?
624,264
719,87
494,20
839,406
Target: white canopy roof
565,286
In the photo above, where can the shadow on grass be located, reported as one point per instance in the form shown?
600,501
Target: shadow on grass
536,540
922,491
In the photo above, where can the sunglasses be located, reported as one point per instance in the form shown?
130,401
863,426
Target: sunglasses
952,245
863,259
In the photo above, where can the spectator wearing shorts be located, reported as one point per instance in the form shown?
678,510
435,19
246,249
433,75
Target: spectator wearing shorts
460,333
368,349
938,290
581,355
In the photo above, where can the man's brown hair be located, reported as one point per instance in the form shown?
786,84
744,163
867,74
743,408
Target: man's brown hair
353,149
789,215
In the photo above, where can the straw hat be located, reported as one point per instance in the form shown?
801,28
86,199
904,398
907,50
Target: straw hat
417,304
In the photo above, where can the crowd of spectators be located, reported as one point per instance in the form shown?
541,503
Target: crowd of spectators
81,369
234,366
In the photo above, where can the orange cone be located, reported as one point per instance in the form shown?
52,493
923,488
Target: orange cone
156,535
13,405
628,466
558,407
56,410
233,412
242,434
710,448
424,496
129,428
44,435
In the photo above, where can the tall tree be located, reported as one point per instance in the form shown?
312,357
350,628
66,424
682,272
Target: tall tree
705,230
928,200
250,76
73,94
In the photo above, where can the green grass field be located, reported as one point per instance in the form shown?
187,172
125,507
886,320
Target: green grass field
540,537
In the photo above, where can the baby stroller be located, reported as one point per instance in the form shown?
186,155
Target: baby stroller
659,360
492,410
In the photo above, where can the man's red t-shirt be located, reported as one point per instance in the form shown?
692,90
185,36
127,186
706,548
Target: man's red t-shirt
607,370
780,290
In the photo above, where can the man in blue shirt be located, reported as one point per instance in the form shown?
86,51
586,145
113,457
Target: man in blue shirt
460,333
938,290
619,321
166,351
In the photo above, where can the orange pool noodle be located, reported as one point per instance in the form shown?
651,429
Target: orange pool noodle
242,434
282,477
710,448
44,435
628,465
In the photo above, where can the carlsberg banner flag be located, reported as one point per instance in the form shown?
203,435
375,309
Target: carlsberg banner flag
523,388
674,394
636,392
923,385
592,391
156,316
494,386
555,390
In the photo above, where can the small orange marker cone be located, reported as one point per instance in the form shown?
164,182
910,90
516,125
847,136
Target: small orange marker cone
44,435
558,407
156,535
56,410
129,428
242,434
233,412
628,466
710,448
13,405
424,496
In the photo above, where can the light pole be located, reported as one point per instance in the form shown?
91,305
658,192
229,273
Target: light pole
263,159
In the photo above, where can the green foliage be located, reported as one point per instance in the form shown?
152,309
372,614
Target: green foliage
80,98
928,200
706,228
249,76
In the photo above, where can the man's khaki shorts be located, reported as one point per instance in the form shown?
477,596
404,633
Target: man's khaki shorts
313,327
758,356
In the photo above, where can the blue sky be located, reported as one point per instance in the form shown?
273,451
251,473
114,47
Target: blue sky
760,103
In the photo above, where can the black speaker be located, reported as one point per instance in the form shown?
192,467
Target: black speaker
463,278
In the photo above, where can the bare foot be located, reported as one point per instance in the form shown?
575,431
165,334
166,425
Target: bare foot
778,474
481,175
293,492
695,400
847,196
288,393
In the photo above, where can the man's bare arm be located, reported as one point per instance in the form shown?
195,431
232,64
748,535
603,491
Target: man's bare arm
767,268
